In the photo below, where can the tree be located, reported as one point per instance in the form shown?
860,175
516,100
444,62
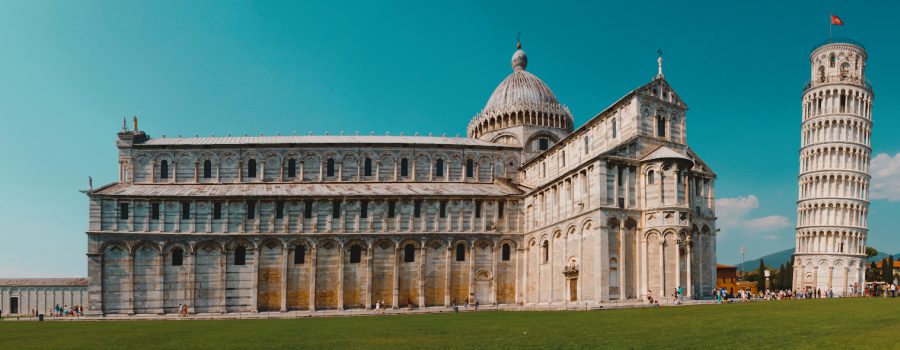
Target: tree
887,269
782,277
872,273
789,277
870,252
761,272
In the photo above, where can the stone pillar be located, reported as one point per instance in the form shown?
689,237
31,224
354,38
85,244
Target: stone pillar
494,272
677,265
471,270
396,292
422,274
340,268
131,257
662,268
447,262
312,278
223,281
370,253
622,266
193,281
161,281
284,272
690,287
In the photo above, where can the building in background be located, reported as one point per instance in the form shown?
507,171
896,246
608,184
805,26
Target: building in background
526,210
835,150
20,296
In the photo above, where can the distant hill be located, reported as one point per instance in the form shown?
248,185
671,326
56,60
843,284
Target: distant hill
774,260
784,257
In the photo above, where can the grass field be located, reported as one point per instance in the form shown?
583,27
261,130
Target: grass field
835,323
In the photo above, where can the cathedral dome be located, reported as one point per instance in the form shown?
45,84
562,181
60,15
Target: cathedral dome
520,90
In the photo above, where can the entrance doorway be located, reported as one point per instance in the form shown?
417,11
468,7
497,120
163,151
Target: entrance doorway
573,289
13,305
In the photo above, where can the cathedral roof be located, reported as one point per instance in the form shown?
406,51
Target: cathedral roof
320,139
666,153
43,282
521,91
331,189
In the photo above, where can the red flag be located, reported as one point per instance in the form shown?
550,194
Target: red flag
835,20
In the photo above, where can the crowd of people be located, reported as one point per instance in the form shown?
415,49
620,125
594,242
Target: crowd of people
62,311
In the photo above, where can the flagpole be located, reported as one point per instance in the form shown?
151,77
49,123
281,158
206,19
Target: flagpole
830,25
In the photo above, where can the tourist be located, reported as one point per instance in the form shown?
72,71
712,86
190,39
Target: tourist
476,305
650,296
466,303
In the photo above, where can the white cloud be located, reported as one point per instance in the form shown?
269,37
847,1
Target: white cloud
733,215
885,177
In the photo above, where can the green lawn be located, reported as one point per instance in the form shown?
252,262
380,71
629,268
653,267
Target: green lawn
836,323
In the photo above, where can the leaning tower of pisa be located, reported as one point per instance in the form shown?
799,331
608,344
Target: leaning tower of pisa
834,176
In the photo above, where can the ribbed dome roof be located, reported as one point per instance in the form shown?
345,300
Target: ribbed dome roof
521,90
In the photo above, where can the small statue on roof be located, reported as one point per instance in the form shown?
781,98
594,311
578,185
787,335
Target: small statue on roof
90,183
135,123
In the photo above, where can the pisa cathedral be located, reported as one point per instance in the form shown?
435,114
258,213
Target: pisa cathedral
835,150
527,210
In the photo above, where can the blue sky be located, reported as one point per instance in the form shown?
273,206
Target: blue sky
69,72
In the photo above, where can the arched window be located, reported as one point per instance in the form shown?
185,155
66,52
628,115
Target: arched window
562,158
504,254
409,253
367,167
460,252
177,257
404,167
651,177
587,144
470,168
299,254
545,251
240,255
439,167
164,169
660,126
292,168
832,60
251,168
329,167
207,169
821,74
355,254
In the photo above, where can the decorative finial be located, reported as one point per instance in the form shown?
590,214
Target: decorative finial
90,183
124,125
659,61
519,59
518,40
135,123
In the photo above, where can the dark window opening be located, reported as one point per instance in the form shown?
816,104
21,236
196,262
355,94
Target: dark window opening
478,209
123,211
443,209
460,252
185,210
439,167
336,209
251,168
364,209
543,144
240,255
367,167
251,209
621,177
500,209
545,249
650,177
292,168
279,209
391,209
164,169
307,209
177,257
409,253
207,169
470,168
417,208
504,254
615,128
355,254
329,167
217,211
404,167
299,254
660,126
154,211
